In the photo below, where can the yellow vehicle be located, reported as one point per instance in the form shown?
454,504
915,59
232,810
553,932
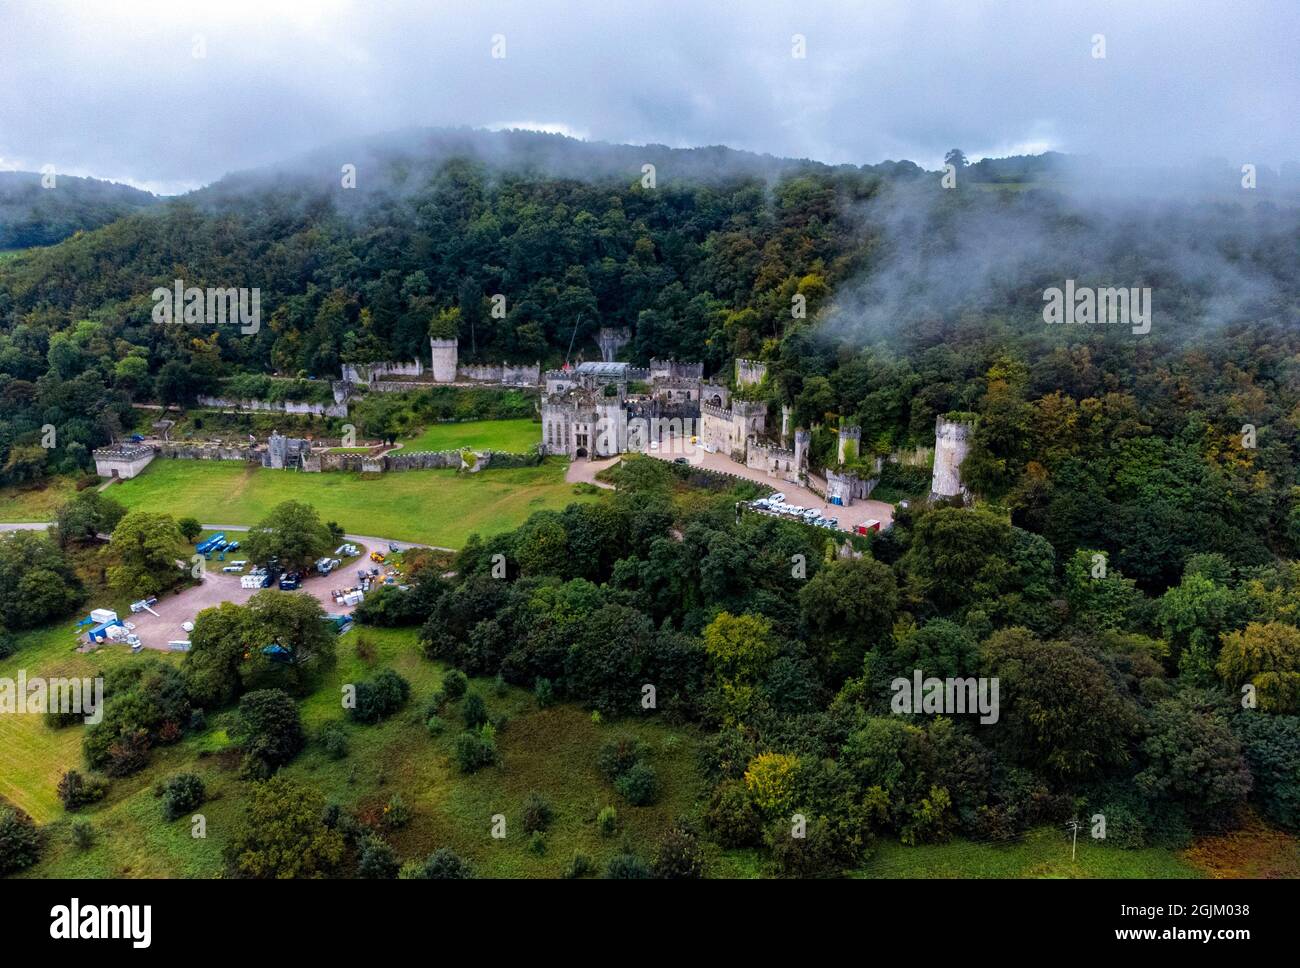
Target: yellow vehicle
376,556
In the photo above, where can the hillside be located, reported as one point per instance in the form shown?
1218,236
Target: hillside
31,215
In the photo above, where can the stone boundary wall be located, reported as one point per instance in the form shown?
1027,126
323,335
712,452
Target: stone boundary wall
287,406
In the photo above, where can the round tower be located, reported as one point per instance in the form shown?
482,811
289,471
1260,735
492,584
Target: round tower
951,445
444,359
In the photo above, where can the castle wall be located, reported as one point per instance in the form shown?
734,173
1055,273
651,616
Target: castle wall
124,462
337,409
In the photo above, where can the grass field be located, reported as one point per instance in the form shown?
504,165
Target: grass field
20,504
434,507
552,751
510,436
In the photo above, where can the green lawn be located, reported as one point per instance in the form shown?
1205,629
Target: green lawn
511,436
434,507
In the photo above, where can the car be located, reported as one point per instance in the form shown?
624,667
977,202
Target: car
654,445
290,582
777,498
233,569
680,460
137,438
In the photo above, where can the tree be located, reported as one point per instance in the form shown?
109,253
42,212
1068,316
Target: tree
20,841
1271,745
37,583
283,834
1266,656
190,529
223,636
1193,759
679,856
292,533
88,514
1060,710
955,157
849,606
181,794
296,624
740,646
145,547
268,729
772,781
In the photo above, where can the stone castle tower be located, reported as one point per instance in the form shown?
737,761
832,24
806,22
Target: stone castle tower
951,445
444,359
850,443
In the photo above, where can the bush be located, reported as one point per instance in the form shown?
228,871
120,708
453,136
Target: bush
77,790
580,866
380,697
639,786
679,856
537,813
435,726
444,864
825,850
396,813
377,860
435,704
334,738
607,821
454,684
537,843
181,794
476,749
20,841
544,692
627,867
732,816
499,685
475,711
617,756
83,833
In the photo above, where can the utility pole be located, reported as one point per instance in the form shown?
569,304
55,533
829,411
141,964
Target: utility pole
1073,826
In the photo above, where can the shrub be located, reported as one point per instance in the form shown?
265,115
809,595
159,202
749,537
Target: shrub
20,841
537,813
617,755
444,864
127,754
396,813
499,685
627,867
377,860
475,711
639,786
379,698
679,856
580,866
454,684
77,790
334,738
825,850
607,821
435,726
732,817
543,692
83,833
476,749
434,706
181,794
537,843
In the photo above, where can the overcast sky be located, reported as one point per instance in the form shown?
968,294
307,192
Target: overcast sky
114,89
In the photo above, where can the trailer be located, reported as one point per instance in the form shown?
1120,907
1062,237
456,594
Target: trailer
208,544
251,581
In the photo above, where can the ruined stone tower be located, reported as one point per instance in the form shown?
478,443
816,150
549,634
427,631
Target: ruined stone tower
850,443
951,445
612,340
444,359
